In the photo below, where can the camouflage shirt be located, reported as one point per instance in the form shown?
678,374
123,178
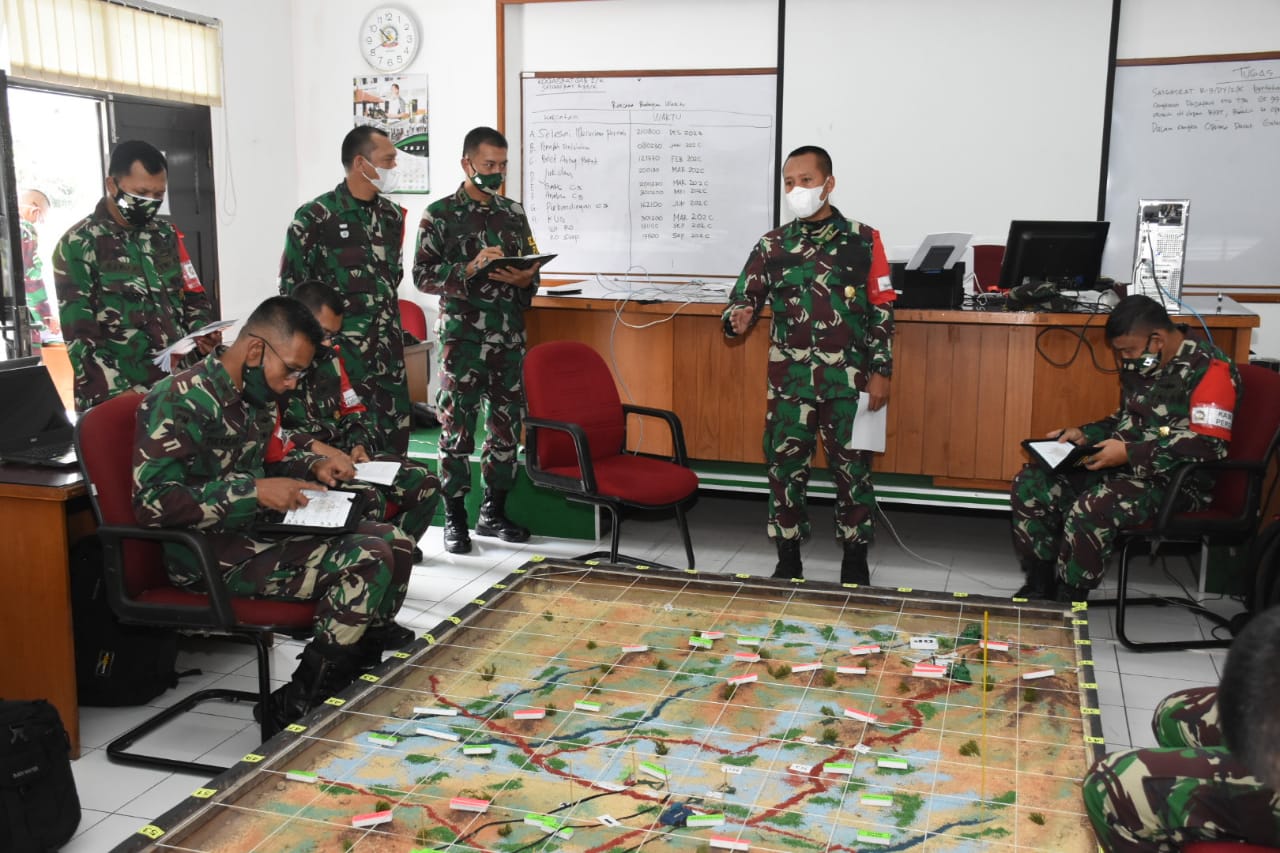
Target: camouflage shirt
33,276
198,449
355,247
123,298
827,285
1155,414
453,230
315,410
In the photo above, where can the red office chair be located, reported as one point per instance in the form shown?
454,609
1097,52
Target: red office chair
986,266
412,319
1233,514
576,436
140,591
1226,847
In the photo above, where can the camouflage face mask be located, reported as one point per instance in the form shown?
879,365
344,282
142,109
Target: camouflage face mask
137,210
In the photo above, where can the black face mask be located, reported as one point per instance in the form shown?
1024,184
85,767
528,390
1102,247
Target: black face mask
256,390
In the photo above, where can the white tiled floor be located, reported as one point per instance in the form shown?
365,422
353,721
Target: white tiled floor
973,550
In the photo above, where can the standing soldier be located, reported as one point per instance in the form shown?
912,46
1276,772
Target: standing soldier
327,416
481,333
201,461
1177,400
351,237
33,206
826,280
126,288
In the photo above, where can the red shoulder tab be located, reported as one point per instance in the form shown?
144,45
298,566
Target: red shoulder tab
879,286
1213,402
190,281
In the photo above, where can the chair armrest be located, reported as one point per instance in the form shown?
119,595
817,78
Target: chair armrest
1168,508
587,484
673,422
219,612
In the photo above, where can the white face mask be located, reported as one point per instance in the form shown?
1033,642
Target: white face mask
387,180
806,201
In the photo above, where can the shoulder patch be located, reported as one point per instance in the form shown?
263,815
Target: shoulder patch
517,209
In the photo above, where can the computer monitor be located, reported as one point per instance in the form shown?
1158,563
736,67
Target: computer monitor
1068,254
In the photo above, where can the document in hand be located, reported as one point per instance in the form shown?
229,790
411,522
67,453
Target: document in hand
869,428
520,262
328,512
1058,455
184,345
381,472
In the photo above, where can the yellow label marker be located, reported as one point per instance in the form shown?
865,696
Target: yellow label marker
204,793
252,758
294,728
370,677
151,831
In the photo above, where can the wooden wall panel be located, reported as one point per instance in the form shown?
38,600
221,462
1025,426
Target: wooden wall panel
935,426
1017,399
908,398
992,372
964,418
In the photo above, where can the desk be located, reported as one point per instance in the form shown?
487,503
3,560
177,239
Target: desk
42,511
968,386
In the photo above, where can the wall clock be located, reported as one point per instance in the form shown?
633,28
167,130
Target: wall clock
389,38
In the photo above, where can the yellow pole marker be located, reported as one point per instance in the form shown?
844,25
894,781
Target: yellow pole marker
982,790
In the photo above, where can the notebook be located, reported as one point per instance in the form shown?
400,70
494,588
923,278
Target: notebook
34,427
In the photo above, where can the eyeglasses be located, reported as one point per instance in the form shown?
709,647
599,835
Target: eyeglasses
295,373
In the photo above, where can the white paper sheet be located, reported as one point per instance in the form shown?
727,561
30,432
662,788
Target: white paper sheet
869,428
182,346
323,509
382,473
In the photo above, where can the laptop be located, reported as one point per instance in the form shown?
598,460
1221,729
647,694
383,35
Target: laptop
34,427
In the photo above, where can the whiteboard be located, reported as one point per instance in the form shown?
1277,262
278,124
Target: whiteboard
1208,132
666,174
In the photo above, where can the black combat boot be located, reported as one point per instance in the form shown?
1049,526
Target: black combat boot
789,565
377,639
1042,580
324,670
1066,593
493,519
853,565
457,532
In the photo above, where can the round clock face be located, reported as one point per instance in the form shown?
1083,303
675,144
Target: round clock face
389,38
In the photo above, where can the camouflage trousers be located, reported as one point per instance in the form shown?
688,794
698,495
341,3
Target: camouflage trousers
470,374
792,426
411,497
357,579
1072,520
1188,789
386,394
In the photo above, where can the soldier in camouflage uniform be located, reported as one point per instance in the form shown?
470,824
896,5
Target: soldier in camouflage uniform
826,280
352,238
1210,779
481,333
201,462
1176,405
33,205
325,415
126,288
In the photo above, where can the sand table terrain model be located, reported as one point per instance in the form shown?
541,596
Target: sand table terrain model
593,708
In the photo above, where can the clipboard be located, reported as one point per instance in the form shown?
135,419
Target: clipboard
273,522
1058,456
520,262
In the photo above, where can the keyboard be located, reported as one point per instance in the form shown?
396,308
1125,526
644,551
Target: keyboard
57,455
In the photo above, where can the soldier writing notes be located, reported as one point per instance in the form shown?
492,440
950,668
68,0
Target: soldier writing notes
351,239
1177,399
481,333
126,288
826,279
202,460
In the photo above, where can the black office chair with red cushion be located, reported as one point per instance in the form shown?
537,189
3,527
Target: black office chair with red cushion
1226,847
576,441
986,266
140,591
413,319
1232,516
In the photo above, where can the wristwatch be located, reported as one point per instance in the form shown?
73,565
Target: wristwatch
885,370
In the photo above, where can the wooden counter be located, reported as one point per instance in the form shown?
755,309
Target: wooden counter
968,386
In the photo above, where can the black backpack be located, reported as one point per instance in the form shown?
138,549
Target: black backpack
39,806
115,664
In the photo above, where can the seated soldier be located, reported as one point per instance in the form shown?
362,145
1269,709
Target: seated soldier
1214,776
1177,399
200,461
326,416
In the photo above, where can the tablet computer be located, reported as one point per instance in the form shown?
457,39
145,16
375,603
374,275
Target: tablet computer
327,513
1058,455
519,262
